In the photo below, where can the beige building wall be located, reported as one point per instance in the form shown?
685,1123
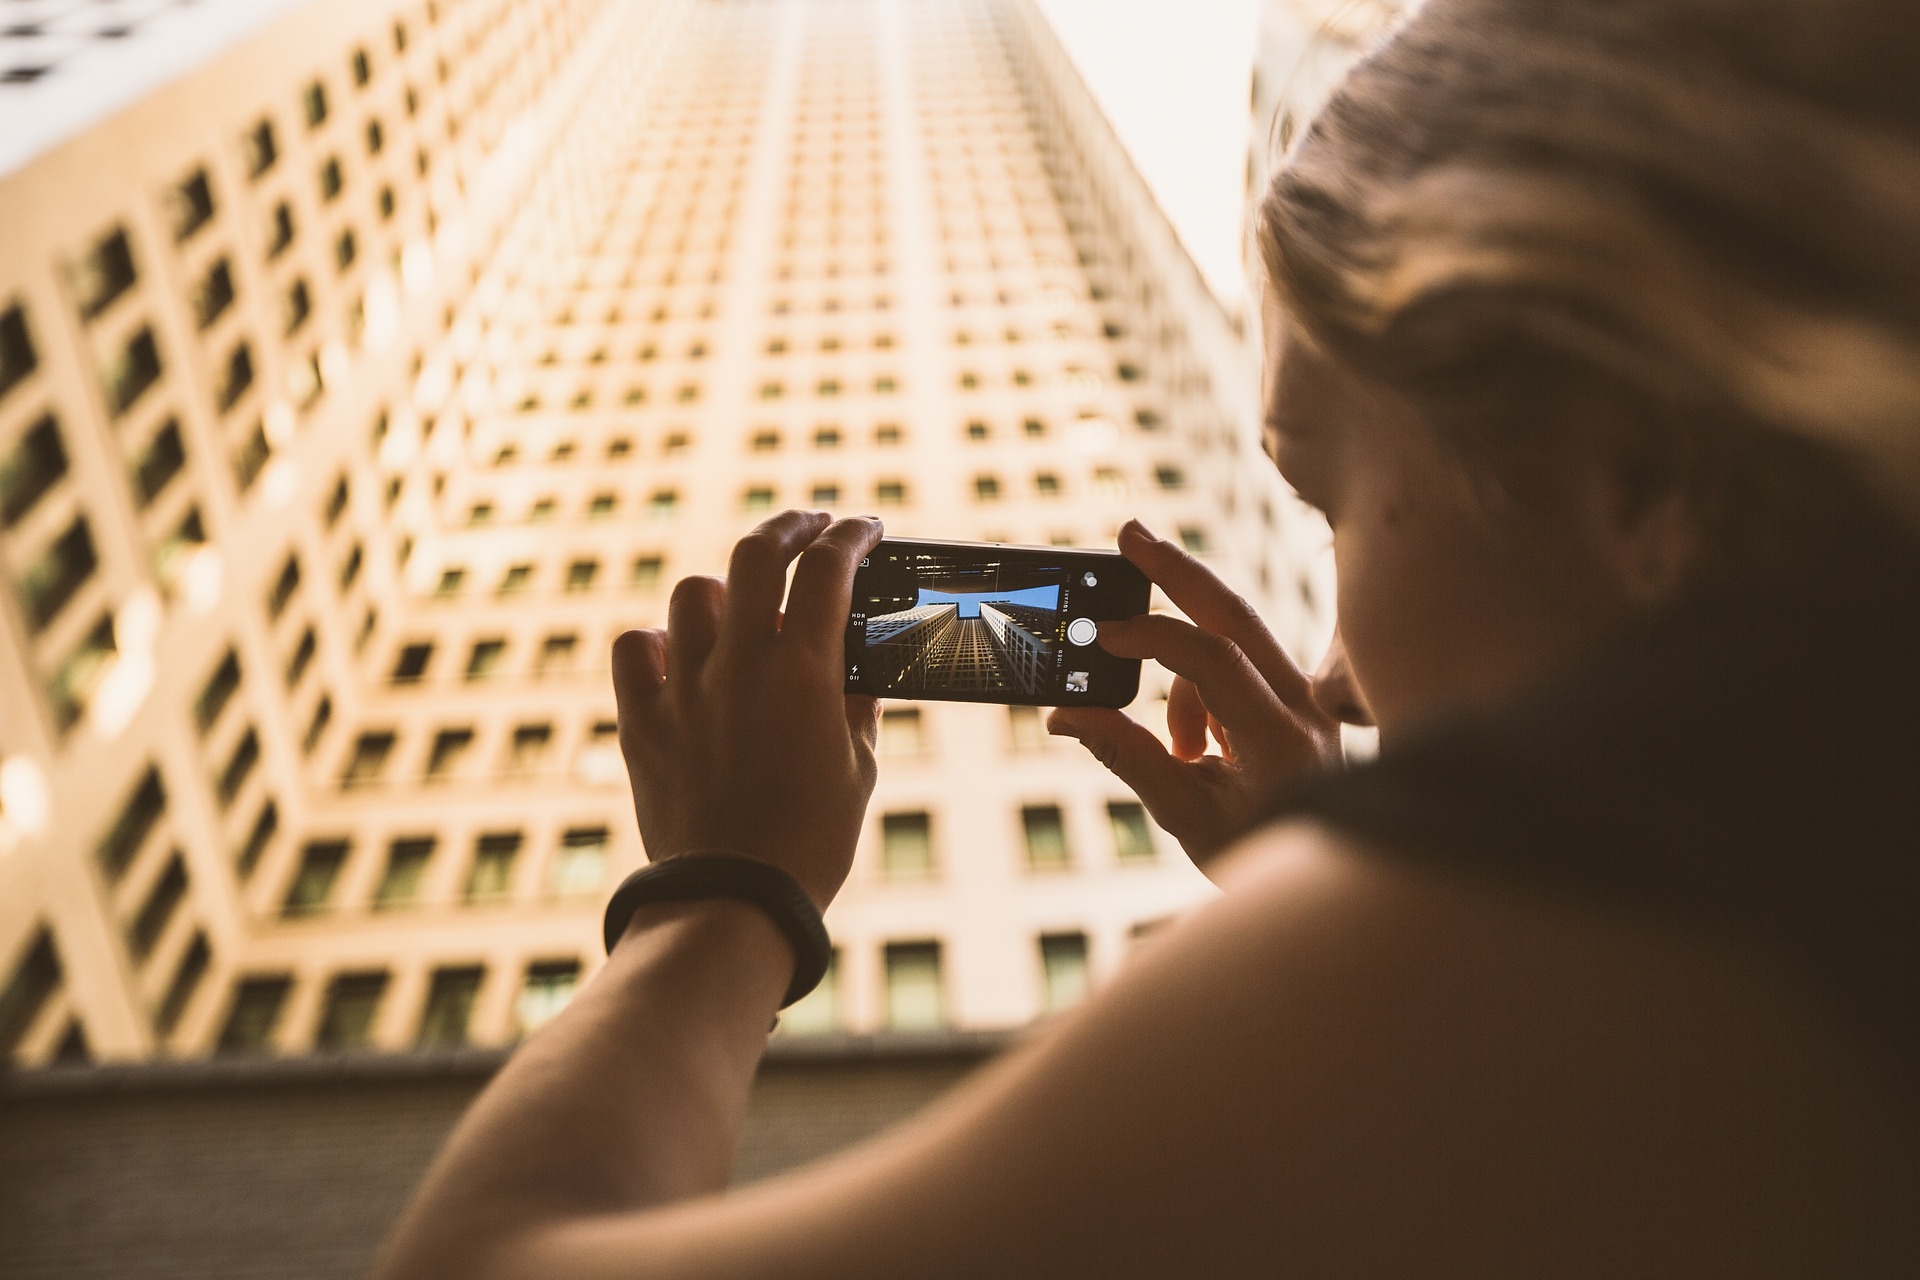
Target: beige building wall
576,291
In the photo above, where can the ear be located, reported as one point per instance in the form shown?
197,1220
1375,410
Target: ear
1647,506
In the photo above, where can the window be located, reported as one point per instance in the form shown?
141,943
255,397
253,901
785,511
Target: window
1046,834
314,100
1132,838
259,149
764,441
887,434
213,295
890,493
296,307
906,845
103,274
75,679
485,657
581,575
17,357
1046,484
322,717
255,1013
163,459
370,752
280,230
1026,729
580,863
490,878
549,985
35,978
915,998
411,664
1063,970
283,588
663,503
1195,539
602,506
34,466
1168,476
986,488
826,438
818,1012
57,574
190,205
599,761
647,571
449,1008
516,579
345,250
757,498
529,747
449,746
978,431
164,899
236,378
353,1001
557,653
542,511
351,566
259,836
902,733
451,580
129,374
406,867
216,693
825,494
186,980
1110,482
138,816
312,886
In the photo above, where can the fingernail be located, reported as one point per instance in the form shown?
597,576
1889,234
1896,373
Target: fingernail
1143,531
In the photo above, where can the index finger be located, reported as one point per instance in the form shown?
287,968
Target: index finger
822,593
1214,606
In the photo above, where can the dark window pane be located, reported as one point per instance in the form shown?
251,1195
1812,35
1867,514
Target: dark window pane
53,579
369,759
1132,839
36,464
448,746
162,460
491,875
312,885
345,249
103,274
154,916
336,501
34,981
236,378
186,980
331,180
256,1010
314,100
240,766
353,1000
131,372
548,987
259,148
916,999
214,294
190,205
251,458
280,230
449,1007
412,662
406,867
217,692
906,844
73,681
17,357
283,588
1046,834
302,656
265,827
322,717
350,568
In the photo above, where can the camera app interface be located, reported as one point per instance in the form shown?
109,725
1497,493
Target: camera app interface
990,624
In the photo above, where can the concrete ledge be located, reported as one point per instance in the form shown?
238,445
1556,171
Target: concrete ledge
241,1072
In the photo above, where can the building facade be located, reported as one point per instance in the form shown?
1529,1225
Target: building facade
367,366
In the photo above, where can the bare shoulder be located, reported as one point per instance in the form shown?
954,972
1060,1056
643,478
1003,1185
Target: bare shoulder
1348,1066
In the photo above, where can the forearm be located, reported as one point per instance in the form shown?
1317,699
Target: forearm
632,1097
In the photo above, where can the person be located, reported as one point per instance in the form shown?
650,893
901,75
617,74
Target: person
1592,330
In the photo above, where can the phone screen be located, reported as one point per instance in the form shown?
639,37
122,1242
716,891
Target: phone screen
981,622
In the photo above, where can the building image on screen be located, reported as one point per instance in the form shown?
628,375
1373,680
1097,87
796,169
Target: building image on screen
969,630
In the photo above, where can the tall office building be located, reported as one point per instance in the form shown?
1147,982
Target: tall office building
366,366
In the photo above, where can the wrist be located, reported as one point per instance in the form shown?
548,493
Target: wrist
733,952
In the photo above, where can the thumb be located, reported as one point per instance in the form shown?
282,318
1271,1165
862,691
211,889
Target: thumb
1134,756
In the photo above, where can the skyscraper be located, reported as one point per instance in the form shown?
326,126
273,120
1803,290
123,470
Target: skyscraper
366,367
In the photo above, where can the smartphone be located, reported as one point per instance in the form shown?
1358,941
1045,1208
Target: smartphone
982,622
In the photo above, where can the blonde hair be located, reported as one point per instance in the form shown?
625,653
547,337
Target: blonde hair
1713,204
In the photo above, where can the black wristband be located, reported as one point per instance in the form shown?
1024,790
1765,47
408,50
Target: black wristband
725,875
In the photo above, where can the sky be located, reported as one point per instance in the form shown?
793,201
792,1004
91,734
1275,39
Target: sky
970,602
1174,77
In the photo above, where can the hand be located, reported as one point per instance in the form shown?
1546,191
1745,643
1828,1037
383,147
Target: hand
1233,680
736,732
